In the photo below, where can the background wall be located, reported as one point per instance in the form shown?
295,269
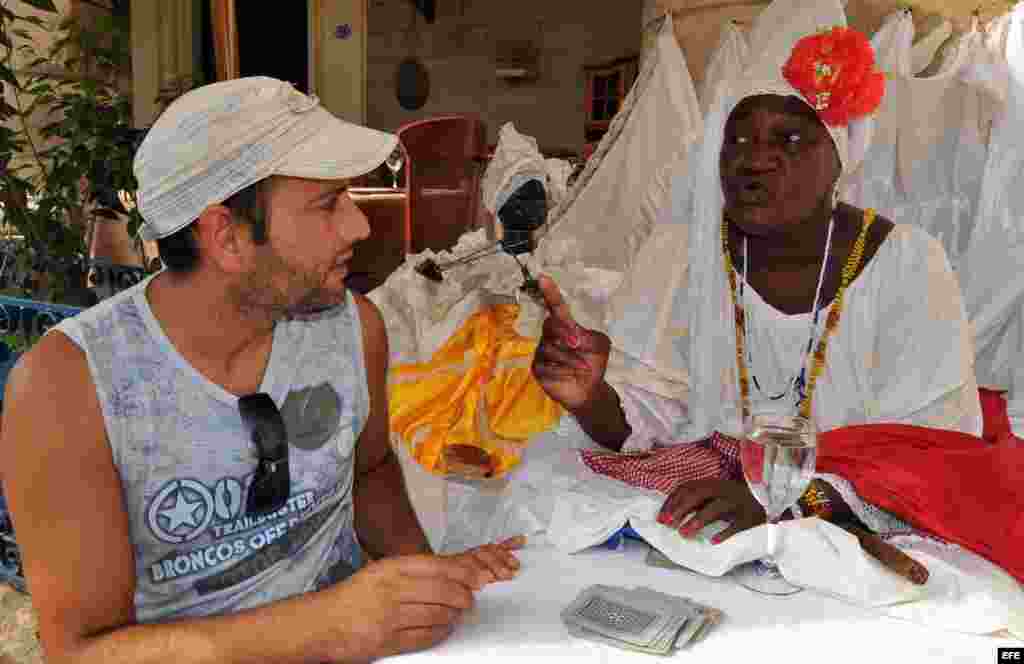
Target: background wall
339,61
460,48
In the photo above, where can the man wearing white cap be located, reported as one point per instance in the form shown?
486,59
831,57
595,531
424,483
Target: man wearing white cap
215,440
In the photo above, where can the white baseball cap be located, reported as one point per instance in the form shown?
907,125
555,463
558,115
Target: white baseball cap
216,140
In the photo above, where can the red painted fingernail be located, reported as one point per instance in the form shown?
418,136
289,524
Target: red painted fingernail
573,340
717,539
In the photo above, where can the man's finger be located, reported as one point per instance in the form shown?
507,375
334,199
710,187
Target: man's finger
461,572
420,638
426,615
556,304
436,590
500,564
517,542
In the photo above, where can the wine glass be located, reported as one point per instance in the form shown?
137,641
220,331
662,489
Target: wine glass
394,162
778,452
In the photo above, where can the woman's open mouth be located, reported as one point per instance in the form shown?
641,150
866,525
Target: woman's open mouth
749,192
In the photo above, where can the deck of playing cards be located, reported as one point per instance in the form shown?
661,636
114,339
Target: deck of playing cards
640,619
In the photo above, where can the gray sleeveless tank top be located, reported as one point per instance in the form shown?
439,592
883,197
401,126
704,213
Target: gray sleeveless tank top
186,461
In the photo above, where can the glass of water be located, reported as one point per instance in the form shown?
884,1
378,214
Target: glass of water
778,452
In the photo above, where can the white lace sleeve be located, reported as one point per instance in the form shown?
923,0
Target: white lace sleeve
875,518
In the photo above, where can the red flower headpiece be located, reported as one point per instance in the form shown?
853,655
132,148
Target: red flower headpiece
835,72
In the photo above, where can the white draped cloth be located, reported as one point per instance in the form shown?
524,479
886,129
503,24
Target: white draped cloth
927,159
726,62
947,157
612,209
926,48
893,44
992,268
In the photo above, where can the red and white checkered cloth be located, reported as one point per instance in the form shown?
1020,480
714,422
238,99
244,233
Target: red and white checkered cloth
716,457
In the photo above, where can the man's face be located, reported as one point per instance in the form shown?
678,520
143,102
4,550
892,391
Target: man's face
778,165
312,227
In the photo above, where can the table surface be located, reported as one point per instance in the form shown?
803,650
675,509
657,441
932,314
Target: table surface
518,621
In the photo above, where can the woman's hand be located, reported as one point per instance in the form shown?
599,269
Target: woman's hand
712,500
570,361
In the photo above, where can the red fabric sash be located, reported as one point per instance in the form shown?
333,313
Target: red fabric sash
950,484
993,412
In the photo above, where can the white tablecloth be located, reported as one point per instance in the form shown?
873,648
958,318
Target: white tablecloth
518,621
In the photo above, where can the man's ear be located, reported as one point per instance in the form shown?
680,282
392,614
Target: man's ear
223,241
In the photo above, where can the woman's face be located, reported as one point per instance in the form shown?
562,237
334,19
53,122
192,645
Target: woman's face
778,165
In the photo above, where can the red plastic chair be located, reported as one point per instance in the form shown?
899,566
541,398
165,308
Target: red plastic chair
444,157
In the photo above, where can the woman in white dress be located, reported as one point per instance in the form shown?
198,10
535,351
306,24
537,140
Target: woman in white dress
759,286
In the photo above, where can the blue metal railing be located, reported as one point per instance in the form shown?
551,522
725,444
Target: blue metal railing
30,317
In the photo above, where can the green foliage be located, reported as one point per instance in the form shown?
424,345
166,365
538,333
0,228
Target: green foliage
55,184
16,342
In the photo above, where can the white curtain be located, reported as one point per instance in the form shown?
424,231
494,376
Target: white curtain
615,203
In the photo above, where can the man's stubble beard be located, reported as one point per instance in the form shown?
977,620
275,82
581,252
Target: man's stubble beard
261,295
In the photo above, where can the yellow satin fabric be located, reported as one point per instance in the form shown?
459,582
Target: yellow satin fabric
476,390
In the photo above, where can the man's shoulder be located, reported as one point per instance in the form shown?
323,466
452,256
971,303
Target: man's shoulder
371,320
53,371
369,314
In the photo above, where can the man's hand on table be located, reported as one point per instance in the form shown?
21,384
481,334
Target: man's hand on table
712,500
494,562
408,603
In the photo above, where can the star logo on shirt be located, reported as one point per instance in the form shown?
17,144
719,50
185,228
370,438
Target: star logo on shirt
181,511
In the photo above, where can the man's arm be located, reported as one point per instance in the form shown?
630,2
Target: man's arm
72,526
386,522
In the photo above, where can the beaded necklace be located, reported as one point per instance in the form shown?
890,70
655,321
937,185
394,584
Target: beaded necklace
798,384
818,362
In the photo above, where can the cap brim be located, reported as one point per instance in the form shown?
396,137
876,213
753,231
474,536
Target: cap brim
340,150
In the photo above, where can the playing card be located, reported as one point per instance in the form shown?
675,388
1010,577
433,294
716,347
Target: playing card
702,618
694,616
615,613
582,633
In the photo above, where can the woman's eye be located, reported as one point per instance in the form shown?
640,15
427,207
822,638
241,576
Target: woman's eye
740,140
793,137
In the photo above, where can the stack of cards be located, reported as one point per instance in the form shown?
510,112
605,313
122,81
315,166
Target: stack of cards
640,619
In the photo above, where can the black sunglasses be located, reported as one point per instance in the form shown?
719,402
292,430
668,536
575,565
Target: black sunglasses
271,484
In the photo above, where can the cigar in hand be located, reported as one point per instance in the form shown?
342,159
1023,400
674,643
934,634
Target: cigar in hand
891,557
